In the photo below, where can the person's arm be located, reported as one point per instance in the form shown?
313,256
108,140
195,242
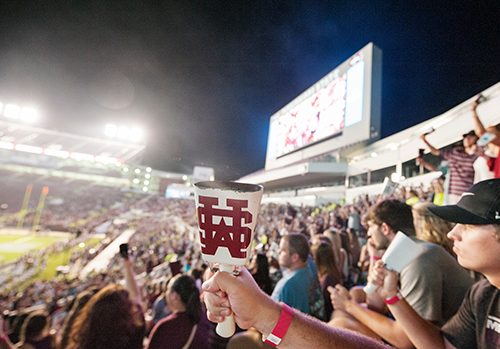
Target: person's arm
422,333
428,166
388,329
478,125
373,300
253,308
434,151
130,283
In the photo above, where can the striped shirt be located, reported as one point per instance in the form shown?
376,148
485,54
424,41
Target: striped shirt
461,169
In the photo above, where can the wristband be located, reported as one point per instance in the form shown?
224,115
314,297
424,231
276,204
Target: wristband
281,327
393,300
3,338
375,258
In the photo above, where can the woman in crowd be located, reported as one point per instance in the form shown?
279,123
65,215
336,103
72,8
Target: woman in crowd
340,253
80,302
259,267
34,333
431,228
110,319
187,326
328,273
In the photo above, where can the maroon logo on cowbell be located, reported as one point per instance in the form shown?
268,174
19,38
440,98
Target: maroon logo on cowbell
236,238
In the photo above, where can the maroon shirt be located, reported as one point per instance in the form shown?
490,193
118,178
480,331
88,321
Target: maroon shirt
173,332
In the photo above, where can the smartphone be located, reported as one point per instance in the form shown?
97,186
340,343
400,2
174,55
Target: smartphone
480,99
421,152
124,250
485,139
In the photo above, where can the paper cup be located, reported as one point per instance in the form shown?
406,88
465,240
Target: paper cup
400,253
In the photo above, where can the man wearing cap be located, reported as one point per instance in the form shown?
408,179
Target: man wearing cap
461,161
433,283
476,239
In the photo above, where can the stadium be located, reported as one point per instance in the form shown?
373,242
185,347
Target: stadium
69,201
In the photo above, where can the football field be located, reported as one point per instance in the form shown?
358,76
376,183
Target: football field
12,246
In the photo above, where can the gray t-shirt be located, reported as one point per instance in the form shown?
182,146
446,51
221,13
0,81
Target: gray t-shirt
434,284
477,323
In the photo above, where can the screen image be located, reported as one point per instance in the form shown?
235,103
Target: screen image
321,115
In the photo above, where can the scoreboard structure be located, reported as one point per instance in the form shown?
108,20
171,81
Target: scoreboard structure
308,138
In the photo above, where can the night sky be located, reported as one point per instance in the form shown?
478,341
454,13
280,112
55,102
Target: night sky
202,78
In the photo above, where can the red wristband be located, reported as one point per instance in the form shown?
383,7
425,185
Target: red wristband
375,258
394,299
281,327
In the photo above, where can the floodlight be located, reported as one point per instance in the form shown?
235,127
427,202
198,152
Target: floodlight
146,182
111,130
137,170
125,169
55,152
395,177
29,149
184,177
145,189
147,176
123,132
136,181
28,114
12,111
148,169
6,145
135,134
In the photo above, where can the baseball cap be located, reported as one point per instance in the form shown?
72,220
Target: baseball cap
470,133
479,205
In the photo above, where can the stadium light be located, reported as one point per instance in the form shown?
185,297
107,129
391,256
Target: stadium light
136,180
147,176
148,169
137,170
12,111
146,182
111,130
28,114
125,169
145,189
185,177
123,132
135,134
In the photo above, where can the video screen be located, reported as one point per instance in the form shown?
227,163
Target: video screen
321,115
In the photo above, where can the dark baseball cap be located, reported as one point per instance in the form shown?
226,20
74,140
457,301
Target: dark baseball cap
477,206
470,133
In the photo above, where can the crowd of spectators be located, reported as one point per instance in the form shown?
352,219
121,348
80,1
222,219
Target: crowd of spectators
315,259
164,244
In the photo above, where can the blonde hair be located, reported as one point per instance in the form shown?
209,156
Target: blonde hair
431,228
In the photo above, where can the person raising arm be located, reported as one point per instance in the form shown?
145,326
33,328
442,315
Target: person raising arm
434,151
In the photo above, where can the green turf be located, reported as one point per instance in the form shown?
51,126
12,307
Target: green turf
62,258
14,246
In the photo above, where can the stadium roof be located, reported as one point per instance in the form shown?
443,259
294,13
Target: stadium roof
19,134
